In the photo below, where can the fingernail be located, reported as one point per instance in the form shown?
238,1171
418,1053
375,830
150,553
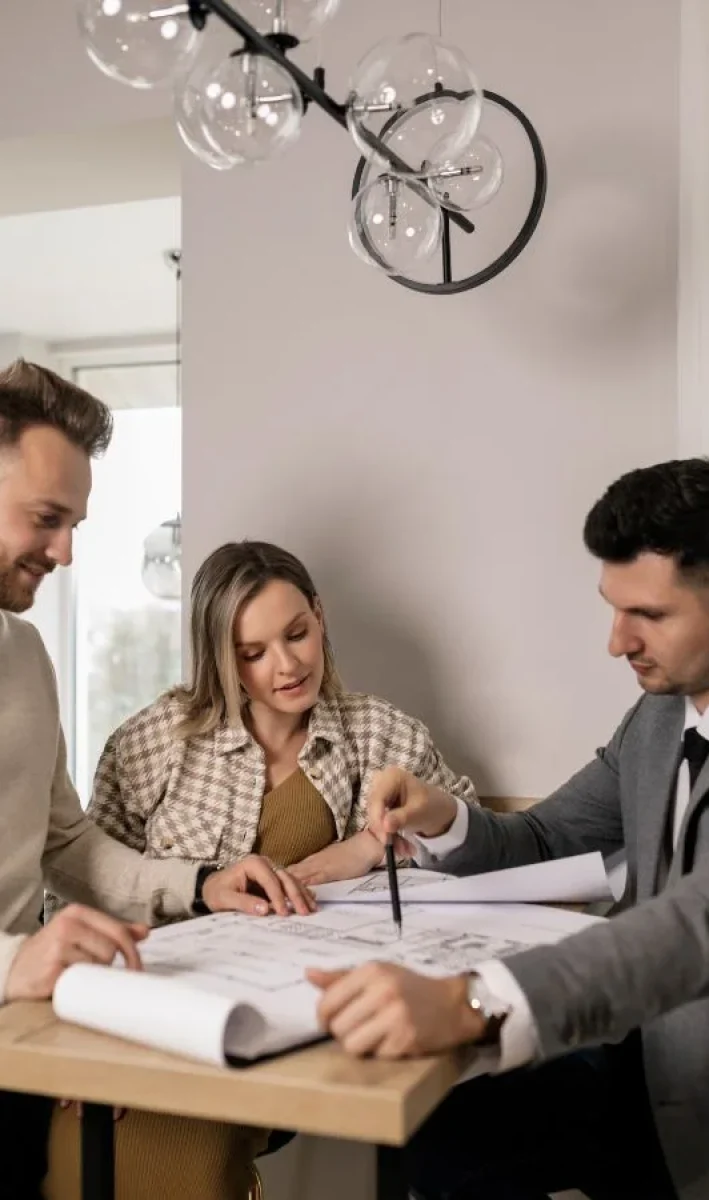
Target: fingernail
261,909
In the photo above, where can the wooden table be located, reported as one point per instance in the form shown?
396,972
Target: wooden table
317,1090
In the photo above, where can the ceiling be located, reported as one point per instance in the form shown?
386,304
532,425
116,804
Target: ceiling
138,161
89,273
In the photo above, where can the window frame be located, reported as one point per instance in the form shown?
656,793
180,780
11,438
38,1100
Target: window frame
59,624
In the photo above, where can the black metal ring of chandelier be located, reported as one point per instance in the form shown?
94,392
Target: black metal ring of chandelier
449,286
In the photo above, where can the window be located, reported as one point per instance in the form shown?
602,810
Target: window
126,642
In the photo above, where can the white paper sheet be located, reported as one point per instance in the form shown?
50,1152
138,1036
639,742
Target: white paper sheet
145,1008
230,984
578,880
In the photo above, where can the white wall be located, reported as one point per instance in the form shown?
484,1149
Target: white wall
433,459
693,330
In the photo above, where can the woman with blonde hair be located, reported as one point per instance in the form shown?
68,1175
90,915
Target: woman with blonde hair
263,751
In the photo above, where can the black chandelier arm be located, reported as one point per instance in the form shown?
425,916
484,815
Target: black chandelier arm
455,287
310,88
264,45
314,90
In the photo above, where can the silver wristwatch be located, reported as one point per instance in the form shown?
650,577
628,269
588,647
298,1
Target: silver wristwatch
493,1012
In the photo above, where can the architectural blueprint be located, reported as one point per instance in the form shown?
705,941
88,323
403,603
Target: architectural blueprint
230,986
273,952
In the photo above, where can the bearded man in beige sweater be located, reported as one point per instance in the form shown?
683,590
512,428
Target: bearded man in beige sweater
49,432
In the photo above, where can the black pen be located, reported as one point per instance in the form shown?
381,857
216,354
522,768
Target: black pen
393,884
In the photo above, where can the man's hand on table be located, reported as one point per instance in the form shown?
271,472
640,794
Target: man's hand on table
385,1011
75,935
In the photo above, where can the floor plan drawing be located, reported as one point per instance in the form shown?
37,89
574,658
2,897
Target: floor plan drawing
228,987
274,952
378,883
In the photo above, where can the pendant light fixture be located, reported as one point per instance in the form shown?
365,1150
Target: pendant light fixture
413,109
162,549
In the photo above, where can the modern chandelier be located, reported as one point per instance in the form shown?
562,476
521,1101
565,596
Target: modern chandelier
413,110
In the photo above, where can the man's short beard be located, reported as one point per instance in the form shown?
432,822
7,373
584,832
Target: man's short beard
13,597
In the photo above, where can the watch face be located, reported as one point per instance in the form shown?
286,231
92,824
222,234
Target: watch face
491,1009
477,995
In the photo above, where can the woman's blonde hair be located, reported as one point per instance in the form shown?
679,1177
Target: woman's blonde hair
225,583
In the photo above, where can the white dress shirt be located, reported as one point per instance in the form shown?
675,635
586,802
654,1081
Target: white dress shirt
692,720
519,1043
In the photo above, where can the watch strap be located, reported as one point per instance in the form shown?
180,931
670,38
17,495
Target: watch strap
199,908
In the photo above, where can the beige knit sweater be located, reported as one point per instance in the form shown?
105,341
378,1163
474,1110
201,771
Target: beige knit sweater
44,835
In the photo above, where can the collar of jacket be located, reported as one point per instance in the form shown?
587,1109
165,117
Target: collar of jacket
325,724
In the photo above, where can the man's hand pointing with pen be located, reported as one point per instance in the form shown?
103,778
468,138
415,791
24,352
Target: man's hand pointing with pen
399,804
381,1009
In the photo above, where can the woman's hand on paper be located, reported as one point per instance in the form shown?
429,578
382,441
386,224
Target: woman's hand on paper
75,935
256,886
399,804
342,860
385,1011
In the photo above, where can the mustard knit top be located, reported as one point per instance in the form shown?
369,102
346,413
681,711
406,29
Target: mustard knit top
295,821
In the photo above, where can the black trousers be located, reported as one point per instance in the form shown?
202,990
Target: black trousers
582,1121
24,1135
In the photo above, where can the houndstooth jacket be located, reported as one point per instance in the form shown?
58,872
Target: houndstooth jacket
200,798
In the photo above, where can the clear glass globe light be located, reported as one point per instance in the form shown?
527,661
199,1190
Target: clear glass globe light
470,180
421,134
139,42
302,19
250,109
187,112
162,560
395,225
401,75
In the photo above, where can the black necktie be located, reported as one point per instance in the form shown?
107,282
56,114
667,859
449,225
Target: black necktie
695,749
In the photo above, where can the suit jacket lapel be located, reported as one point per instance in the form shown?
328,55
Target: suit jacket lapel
656,783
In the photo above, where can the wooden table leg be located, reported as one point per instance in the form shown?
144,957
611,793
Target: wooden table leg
391,1176
97,1158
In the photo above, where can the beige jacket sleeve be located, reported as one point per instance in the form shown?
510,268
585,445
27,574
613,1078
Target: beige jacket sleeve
84,864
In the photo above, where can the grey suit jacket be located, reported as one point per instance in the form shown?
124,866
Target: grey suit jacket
648,966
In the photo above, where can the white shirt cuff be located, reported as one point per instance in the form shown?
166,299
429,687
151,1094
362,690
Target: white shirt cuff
446,843
519,1043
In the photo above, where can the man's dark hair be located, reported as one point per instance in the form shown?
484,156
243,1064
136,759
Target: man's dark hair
31,395
660,510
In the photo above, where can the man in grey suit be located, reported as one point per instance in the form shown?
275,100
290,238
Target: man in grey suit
603,1039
